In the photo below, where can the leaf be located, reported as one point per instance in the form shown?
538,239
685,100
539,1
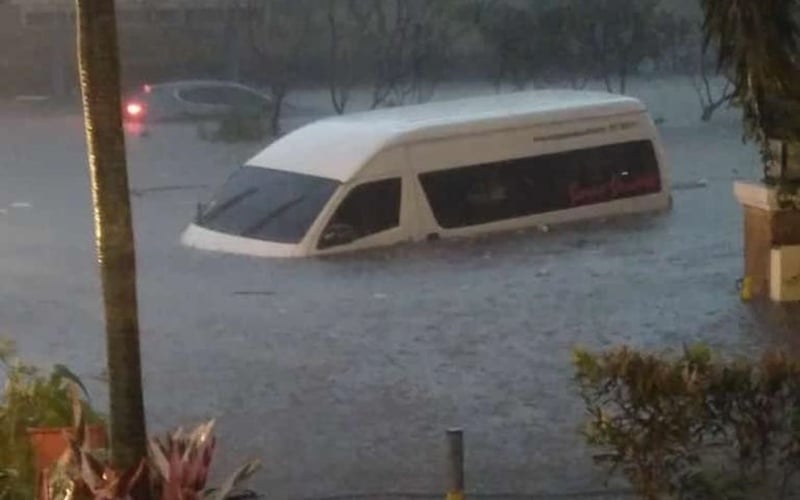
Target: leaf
92,472
128,480
78,417
158,458
61,372
202,432
8,350
240,475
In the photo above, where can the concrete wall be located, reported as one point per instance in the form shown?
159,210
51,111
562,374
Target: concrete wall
38,48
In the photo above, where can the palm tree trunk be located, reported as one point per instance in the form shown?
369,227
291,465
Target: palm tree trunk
100,87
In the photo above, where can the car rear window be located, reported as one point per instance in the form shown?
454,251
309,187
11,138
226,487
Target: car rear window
221,95
267,204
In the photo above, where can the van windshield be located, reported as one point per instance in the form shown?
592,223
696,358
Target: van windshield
267,204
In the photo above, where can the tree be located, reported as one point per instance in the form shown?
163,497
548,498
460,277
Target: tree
399,48
509,31
710,95
571,39
235,13
560,51
280,33
100,87
617,35
677,42
409,45
345,34
757,44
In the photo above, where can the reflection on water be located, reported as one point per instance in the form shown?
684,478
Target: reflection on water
136,129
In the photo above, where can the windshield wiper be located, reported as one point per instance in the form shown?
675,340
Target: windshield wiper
272,215
203,218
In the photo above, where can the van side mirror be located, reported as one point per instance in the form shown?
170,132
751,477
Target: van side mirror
337,234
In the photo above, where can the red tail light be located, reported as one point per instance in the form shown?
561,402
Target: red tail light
134,109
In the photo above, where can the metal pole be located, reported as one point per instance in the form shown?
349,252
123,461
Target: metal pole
455,464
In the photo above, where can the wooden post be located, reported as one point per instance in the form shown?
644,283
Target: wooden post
455,464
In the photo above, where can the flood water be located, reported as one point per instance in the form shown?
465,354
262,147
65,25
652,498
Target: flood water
342,374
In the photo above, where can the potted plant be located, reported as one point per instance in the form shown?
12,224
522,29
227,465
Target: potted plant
36,418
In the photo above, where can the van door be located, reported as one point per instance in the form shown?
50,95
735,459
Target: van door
368,215
370,211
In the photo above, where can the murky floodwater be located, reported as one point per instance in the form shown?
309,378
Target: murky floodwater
342,374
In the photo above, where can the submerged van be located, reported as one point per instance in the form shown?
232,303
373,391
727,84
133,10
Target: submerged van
446,169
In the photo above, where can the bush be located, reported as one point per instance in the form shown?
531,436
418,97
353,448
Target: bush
29,399
694,425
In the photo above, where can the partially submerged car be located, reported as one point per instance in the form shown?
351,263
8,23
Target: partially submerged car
194,100
445,169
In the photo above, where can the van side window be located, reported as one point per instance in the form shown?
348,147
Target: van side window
368,209
481,194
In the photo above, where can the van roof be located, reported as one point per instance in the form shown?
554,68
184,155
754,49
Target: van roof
339,147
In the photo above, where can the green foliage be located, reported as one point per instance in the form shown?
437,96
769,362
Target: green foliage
30,399
694,426
402,47
8,484
757,44
575,39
